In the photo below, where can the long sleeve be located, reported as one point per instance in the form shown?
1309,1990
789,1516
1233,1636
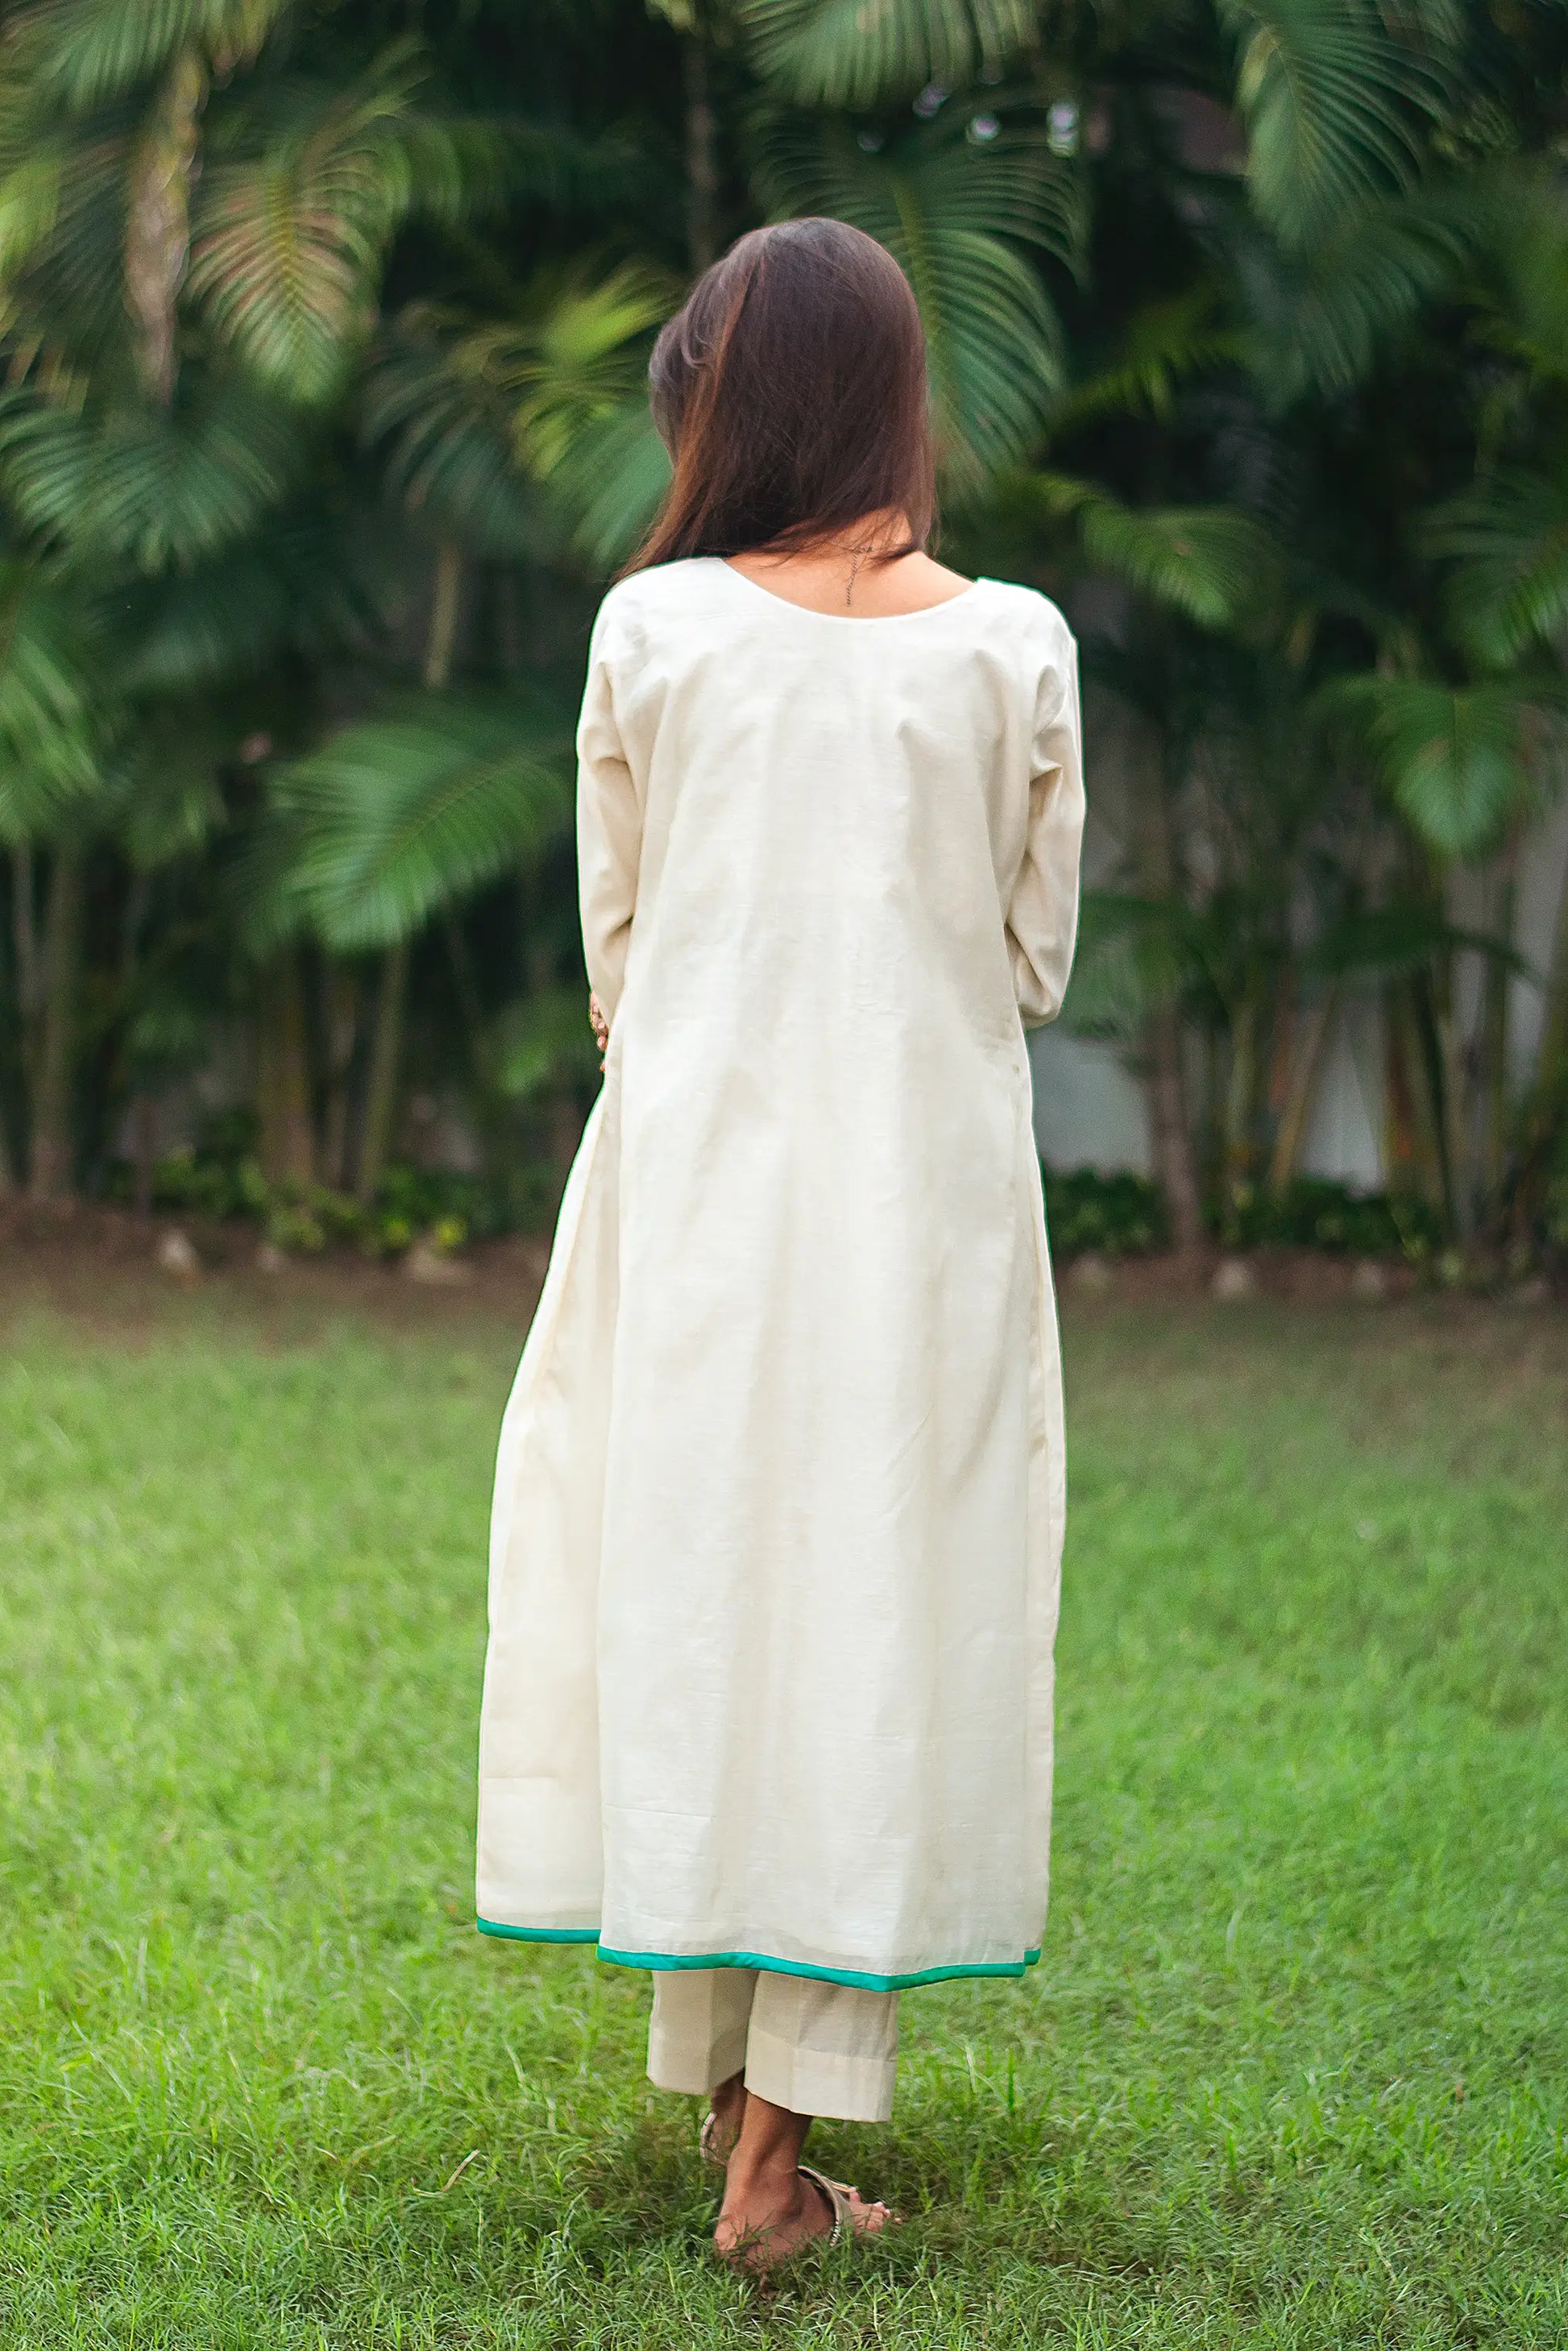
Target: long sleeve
609,836
1042,917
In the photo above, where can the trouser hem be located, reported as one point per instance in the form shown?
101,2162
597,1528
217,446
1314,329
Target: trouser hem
691,2068
814,2082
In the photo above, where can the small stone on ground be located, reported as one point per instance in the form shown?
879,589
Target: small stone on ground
176,1256
424,1263
1233,1280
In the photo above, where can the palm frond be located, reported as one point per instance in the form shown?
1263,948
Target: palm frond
1509,541
1523,290
951,212
444,435
170,1026
81,54
1133,952
1455,760
1335,107
164,792
1217,568
573,357
143,488
52,715
289,238
1160,345
1324,318
536,1043
849,53
299,585
471,417
32,183
409,812
260,886
1389,941
62,233
608,485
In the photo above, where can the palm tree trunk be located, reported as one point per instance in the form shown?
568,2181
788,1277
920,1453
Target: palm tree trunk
386,1043
24,957
1306,1062
143,1149
1415,1055
1453,1124
53,1149
1548,1100
10,1182
25,941
340,1028
445,602
386,1054
1241,1097
1164,1075
157,221
287,1141
1401,1144
1492,1072
1170,1133
702,170
465,981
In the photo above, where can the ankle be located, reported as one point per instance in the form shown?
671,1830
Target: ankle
769,2171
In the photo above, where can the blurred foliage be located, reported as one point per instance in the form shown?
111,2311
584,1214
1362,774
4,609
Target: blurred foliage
1111,1216
1125,1216
321,427
220,1178
1315,1213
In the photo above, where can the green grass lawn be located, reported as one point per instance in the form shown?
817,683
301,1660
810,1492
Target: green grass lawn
1294,2068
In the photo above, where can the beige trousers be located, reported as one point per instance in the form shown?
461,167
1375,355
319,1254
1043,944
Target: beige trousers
815,2048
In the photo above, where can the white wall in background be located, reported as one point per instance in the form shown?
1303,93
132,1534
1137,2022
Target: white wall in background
1344,1132
1087,1109
1543,879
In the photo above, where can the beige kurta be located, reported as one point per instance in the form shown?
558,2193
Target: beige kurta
779,1509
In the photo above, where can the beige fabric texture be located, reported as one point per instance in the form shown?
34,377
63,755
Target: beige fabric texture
813,2047
775,1543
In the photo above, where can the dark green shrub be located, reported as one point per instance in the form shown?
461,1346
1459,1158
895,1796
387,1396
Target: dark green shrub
1116,1215
1123,1216
1314,1212
219,1176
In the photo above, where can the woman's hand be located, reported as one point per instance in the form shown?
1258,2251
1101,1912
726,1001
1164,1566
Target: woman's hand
601,1028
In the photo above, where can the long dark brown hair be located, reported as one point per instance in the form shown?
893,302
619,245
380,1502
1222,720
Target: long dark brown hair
790,392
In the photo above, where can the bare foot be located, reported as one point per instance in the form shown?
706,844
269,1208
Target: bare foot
771,2209
726,2112
773,2215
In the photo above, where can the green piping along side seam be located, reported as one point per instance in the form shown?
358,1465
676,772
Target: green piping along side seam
665,1962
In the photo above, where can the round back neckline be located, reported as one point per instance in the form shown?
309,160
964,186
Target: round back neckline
848,620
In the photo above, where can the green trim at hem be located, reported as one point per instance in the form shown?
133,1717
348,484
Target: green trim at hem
666,1962
539,1934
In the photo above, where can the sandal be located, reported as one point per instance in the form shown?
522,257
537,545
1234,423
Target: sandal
836,2193
708,2146
749,2254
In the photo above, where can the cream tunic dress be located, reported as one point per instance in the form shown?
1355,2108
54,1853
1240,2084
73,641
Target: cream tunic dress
777,1519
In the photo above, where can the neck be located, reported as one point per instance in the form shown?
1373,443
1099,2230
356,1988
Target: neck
879,536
